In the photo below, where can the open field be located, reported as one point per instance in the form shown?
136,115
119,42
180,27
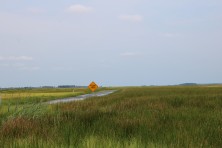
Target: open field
41,93
178,116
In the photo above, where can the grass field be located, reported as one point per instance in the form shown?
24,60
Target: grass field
41,93
177,116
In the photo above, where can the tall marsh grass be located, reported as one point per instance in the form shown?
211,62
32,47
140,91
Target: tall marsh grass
131,117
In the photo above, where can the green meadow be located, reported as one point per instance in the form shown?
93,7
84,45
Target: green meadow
171,116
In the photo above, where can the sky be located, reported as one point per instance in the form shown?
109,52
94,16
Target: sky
114,42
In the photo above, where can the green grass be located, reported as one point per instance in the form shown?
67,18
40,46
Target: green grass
131,117
41,93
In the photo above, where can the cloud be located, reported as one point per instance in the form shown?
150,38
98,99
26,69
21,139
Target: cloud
25,67
34,68
129,54
4,65
19,25
18,66
62,68
16,58
169,35
36,10
79,9
132,18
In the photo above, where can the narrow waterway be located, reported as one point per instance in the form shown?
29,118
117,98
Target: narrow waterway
82,97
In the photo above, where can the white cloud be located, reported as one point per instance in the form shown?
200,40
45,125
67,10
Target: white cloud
25,67
4,65
19,66
36,10
170,35
132,18
34,68
129,54
16,58
79,9
19,25
62,68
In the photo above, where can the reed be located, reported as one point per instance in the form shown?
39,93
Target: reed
131,117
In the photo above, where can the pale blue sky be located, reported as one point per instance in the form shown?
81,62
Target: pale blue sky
114,43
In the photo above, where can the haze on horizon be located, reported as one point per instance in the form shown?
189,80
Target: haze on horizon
114,43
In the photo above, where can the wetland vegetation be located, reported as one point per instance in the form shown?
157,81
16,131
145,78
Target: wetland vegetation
172,116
